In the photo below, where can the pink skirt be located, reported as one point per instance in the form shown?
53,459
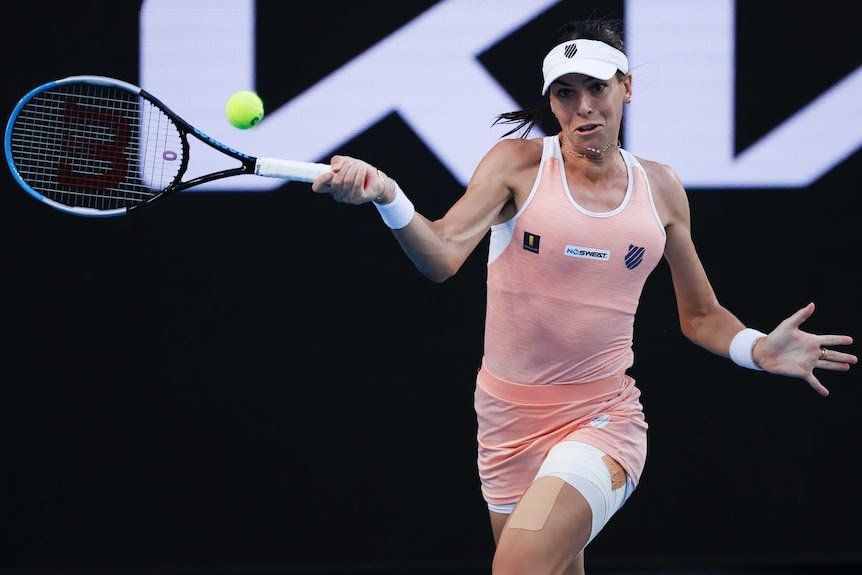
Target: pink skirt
518,424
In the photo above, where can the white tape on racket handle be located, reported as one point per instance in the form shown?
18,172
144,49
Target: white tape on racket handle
289,169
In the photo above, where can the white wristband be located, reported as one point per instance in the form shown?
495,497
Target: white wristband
397,213
741,346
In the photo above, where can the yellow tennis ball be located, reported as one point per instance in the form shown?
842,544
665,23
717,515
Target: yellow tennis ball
244,109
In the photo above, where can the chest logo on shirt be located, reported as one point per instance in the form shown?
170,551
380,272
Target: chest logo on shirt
531,242
587,253
634,256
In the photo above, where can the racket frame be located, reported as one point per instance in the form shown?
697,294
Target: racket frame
306,171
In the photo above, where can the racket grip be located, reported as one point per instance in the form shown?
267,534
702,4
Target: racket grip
289,169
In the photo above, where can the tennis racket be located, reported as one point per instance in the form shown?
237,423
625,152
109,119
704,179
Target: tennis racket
99,147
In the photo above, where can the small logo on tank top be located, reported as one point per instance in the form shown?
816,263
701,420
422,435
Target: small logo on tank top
634,256
587,253
600,420
531,242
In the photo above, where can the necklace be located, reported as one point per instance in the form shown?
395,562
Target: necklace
595,151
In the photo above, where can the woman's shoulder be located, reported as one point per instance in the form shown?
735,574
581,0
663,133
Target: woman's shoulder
509,165
660,175
518,151
668,191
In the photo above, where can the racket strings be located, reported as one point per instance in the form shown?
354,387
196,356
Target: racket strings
95,146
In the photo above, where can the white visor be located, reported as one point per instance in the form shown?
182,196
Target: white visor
589,57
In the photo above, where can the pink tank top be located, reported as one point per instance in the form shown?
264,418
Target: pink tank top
564,282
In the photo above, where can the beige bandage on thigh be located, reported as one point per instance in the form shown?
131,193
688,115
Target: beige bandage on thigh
596,476
535,506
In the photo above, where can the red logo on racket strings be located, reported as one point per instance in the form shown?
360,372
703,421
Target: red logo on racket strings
89,152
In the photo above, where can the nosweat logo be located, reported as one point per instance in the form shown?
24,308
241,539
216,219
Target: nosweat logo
587,253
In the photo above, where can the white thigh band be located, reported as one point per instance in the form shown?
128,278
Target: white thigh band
581,466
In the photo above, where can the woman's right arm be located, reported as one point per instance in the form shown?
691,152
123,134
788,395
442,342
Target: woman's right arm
438,248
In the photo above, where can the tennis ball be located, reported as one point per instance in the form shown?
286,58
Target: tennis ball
244,109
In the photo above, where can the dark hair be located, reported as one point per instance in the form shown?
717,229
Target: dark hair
607,30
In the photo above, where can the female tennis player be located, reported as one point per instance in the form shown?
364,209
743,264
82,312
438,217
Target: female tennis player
577,224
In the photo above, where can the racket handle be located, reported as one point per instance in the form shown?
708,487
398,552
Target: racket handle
289,169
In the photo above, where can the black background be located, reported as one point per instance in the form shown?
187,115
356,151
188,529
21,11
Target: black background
237,380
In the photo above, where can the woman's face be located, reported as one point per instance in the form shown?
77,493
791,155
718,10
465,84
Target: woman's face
590,110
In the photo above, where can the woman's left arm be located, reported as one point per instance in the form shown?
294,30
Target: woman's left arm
786,350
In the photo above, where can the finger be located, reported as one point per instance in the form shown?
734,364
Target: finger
358,179
800,316
321,182
830,340
347,177
836,360
816,385
348,173
341,172
340,163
